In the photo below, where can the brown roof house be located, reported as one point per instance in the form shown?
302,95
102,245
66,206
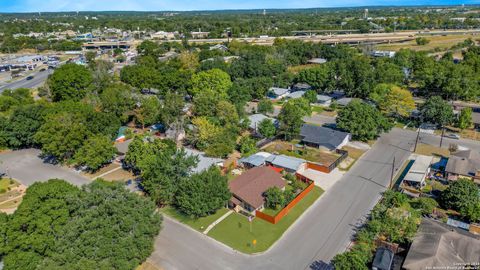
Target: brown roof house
465,164
440,246
248,188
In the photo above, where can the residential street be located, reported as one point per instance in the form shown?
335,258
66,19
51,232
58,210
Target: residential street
323,231
28,168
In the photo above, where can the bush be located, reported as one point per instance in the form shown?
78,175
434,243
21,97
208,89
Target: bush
425,205
274,198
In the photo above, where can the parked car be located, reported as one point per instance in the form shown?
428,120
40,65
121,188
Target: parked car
453,136
29,78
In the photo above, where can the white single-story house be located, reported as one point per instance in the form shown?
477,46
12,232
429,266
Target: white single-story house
417,173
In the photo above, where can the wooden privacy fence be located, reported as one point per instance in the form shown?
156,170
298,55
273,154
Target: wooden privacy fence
275,219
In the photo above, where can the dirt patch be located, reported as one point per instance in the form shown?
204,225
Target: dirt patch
307,153
430,150
101,171
118,175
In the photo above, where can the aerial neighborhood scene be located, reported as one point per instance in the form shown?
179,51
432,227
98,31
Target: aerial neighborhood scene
205,135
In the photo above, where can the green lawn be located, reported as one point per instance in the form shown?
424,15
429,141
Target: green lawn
234,231
199,224
5,183
317,109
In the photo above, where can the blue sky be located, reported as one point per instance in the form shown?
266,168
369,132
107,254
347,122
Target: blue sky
154,5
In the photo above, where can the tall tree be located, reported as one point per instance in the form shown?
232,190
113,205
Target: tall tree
462,196
437,111
103,233
393,100
70,82
203,193
363,121
162,174
465,118
291,117
95,152
32,230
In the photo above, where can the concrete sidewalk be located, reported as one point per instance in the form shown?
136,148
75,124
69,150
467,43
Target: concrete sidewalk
220,219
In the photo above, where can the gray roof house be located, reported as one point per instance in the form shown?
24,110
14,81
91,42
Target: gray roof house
301,87
324,100
204,162
328,138
255,160
463,163
255,120
440,246
344,101
289,164
276,92
297,94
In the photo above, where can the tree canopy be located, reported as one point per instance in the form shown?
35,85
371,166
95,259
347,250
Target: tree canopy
363,121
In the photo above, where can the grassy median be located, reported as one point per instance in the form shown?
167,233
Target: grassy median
235,232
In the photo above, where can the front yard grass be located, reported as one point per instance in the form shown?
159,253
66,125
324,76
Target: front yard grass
199,224
234,231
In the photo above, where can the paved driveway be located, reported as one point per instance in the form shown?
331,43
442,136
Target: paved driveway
28,168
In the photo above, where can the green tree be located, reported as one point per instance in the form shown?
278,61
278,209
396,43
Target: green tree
70,82
462,196
267,128
148,111
62,135
214,81
320,77
465,118
203,194
393,100
425,205
274,198
118,100
102,233
162,174
172,108
437,111
311,96
32,230
363,121
291,117
265,106
142,148
23,123
247,146
95,152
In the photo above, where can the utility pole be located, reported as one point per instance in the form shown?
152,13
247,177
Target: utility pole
416,140
441,136
393,172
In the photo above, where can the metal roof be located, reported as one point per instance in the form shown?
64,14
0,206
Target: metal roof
283,161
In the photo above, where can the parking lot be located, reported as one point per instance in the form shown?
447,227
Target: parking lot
27,167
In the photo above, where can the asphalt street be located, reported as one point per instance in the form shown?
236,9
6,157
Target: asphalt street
27,167
324,230
38,80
